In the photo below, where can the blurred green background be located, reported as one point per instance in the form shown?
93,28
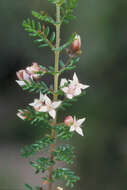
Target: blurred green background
102,154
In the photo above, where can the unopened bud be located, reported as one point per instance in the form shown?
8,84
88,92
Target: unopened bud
76,44
68,120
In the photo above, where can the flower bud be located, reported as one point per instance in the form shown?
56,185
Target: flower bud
76,44
23,75
32,70
68,120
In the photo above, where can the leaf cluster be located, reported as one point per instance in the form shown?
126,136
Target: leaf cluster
64,153
67,175
39,145
42,164
41,33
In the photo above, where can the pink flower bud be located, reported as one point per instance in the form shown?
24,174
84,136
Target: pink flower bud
20,74
23,75
76,44
68,120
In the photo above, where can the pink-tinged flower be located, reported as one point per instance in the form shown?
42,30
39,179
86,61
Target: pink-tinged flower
76,126
21,115
50,106
23,75
74,88
68,120
76,44
32,70
38,102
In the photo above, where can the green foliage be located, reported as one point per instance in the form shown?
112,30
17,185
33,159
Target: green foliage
62,132
44,17
41,33
68,102
67,10
67,175
64,153
68,43
70,66
38,146
28,187
37,87
42,164
36,117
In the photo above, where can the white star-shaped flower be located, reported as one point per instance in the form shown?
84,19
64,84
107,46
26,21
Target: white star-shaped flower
74,88
50,106
76,126
38,102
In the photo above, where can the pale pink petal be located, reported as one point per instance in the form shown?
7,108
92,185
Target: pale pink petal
63,81
43,109
35,103
79,131
80,121
82,86
42,96
65,89
26,76
77,92
21,83
52,113
56,104
47,100
75,78
69,96
72,128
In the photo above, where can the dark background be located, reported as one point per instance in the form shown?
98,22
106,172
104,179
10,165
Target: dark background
102,153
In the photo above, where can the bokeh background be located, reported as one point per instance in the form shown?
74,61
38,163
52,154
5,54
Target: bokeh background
102,155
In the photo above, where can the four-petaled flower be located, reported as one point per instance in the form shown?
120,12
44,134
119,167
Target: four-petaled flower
76,125
74,88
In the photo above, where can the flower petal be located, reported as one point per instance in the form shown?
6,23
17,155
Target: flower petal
69,96
77,92
52,113
20,82
47,100
79,131
56,104
80,121
43,109
72,128
75,78
82,86
65,89
42,96
63,81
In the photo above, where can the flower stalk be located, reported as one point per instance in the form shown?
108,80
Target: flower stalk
56,77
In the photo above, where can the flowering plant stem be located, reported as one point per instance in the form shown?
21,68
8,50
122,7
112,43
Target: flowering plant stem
56,76
44,111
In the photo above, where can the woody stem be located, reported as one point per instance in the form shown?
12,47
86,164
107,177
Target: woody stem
56,76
